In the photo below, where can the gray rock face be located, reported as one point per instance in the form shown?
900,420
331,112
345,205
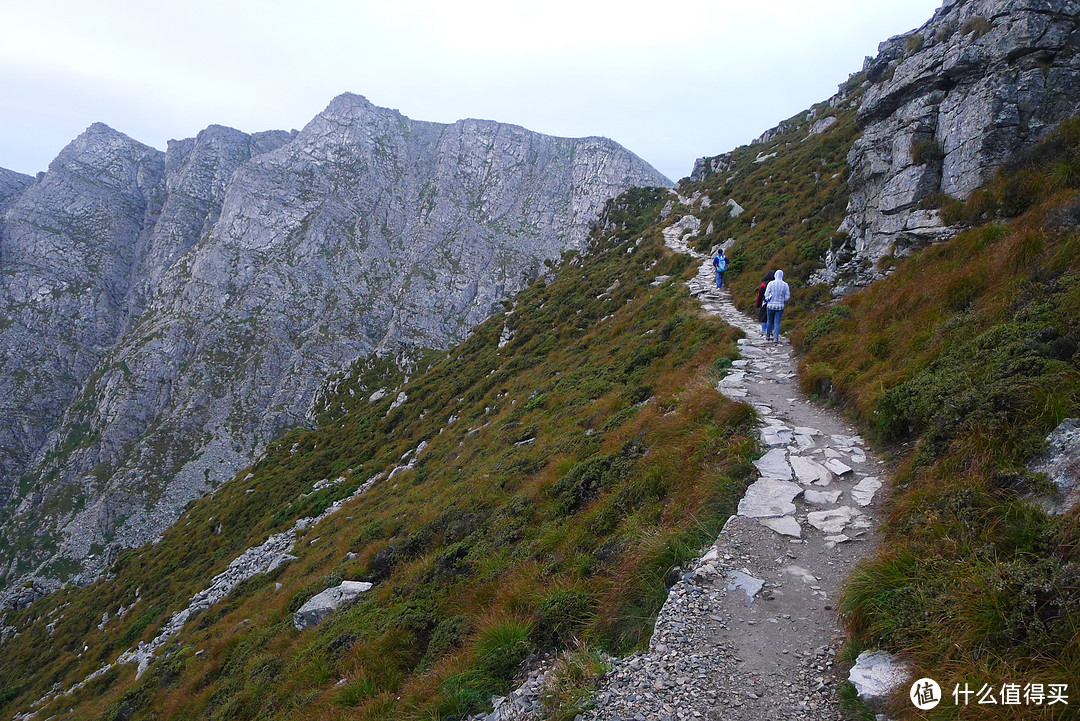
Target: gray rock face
945,106
165,314
1061,463
319,608
11,185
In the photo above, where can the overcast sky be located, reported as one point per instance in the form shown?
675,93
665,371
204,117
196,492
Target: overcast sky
671,81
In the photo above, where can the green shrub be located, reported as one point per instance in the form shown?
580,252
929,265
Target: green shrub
357,690
824,324
927,151
586,479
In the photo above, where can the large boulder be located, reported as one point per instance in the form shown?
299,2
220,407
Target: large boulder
319,608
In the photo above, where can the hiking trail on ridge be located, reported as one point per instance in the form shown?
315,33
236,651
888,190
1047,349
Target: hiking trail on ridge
750,630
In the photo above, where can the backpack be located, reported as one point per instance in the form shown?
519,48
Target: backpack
720,262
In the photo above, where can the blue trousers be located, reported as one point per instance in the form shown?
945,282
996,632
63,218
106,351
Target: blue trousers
773,328
719,278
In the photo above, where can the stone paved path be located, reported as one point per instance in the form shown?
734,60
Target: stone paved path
750,631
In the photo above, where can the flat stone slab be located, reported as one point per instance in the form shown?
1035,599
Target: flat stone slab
864,490
808,471
774,465
877,674
784,525
834,520
837,467
769,498
822,498
319,607
733,379
805,431
737,580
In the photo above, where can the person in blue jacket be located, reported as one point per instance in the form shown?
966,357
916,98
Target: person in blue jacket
719,263
777,293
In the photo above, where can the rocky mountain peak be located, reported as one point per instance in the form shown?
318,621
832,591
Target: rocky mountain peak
205,293
107,156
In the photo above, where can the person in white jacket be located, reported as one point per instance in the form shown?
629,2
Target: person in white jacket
777,293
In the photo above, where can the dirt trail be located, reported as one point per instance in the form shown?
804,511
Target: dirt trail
750,631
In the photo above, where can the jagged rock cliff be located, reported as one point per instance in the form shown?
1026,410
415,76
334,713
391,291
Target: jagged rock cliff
163,315
944,107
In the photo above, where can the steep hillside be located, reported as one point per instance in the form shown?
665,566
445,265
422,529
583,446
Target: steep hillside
962,362
165,315
529,491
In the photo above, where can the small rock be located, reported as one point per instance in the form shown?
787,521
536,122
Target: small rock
737,580
774,465
864,490
767,498
876,674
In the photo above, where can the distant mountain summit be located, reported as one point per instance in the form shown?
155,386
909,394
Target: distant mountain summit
163,315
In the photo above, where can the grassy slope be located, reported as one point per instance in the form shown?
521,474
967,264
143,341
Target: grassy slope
962,361
492,547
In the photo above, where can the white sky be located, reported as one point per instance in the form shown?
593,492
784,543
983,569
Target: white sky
671,81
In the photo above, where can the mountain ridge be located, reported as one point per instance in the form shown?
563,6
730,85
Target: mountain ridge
254,265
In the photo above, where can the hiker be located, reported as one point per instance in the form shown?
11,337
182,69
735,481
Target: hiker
777,293
719,262
763,310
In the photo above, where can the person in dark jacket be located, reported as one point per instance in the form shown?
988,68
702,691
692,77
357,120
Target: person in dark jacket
763,309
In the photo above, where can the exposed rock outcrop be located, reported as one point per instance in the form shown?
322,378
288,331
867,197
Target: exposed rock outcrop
945,106
319,607
11,185
1061,464
163,315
